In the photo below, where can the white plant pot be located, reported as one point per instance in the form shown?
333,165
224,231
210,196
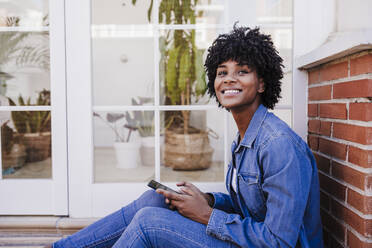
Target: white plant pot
148,151
127,154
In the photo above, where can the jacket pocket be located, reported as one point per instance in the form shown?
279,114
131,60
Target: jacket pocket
252,195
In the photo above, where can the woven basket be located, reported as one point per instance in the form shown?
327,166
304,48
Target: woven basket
38,146
187,151
15,158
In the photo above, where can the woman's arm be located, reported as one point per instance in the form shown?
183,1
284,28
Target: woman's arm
287,179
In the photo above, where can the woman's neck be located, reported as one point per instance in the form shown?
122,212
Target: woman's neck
243,117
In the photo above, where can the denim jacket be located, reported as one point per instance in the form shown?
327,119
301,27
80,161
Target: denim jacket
276,203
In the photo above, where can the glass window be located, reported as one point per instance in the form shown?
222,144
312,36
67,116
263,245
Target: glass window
25,97
157,53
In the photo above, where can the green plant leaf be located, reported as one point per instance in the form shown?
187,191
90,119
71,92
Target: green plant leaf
201,85
171,75
150,10
185,65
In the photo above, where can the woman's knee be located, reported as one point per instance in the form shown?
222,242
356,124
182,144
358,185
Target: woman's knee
151,199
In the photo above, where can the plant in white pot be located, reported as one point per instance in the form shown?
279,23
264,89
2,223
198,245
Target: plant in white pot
126,151
145,126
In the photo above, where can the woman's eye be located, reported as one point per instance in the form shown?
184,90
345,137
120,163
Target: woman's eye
242,72
221,73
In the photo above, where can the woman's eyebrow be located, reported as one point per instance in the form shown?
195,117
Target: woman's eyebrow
221,66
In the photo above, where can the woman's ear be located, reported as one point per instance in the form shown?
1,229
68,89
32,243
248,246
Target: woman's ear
261,86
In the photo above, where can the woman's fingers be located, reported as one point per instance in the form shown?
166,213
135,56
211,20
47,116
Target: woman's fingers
170,195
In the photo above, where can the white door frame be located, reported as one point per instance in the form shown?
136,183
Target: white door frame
45,196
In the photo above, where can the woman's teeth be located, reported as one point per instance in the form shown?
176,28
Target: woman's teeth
231,92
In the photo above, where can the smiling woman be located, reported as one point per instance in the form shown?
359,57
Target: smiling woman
272,200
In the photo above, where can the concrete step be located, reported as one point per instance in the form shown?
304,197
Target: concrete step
37,231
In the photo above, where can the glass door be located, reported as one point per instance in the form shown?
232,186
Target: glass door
32,108
138,106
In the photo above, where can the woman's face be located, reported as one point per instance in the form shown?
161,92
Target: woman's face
237,86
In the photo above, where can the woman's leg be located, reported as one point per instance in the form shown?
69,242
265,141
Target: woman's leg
160,227
106,231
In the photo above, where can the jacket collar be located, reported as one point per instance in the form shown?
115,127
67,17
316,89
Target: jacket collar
253,128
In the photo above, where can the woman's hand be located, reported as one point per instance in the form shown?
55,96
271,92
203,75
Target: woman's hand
191,203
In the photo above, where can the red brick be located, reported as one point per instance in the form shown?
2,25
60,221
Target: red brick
360,157
333,110
320,93
313,142
334,71
325,128
360,111
363,226
332,148
361,202
358,134
312,110
334,243
322,163
357,88
314,126
313,76
332,187
354,242
324,201
349,175
361,65
336,228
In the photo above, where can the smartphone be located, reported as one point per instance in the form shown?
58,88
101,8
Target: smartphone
156,185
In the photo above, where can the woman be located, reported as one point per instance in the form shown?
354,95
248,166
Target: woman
272,182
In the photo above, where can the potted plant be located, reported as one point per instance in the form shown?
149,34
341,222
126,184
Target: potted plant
34,127
181,63
13,153
144,121
126,152
13,48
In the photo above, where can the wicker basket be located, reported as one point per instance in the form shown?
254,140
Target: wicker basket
15,158
187,151
38,146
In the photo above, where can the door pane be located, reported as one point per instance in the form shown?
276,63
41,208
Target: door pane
26,145
121,12
124,146
181,66
24,13
198,155
24,64
123,67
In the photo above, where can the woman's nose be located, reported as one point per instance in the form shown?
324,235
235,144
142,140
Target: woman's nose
229,78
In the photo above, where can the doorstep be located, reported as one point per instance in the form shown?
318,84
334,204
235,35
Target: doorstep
35,231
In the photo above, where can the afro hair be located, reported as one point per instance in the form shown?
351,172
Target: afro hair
250,47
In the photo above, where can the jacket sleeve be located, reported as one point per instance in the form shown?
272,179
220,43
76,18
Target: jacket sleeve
286,181
222,201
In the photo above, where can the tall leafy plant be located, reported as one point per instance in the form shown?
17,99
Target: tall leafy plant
32,121
181,61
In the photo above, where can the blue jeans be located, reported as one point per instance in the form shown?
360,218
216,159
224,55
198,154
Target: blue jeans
146,222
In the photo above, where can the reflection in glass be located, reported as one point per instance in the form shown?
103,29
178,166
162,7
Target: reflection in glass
270,11
26,145
24,13
121,12
24,63
122,68
124,146
195,154
181,70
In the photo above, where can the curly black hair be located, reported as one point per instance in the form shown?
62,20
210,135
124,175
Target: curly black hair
250,47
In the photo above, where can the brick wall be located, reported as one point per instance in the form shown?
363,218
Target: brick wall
340,136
